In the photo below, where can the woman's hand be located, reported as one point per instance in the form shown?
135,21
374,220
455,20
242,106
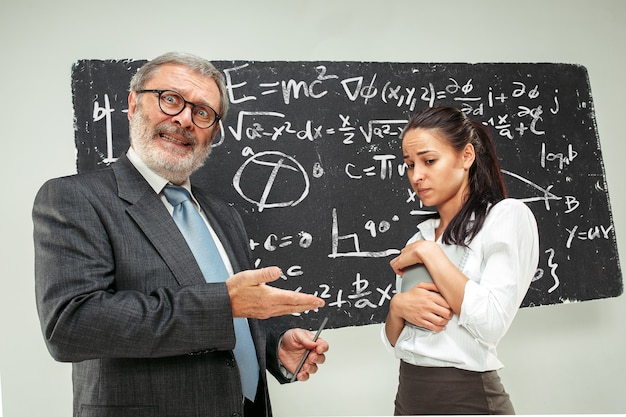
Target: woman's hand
423,306
449,280
411,254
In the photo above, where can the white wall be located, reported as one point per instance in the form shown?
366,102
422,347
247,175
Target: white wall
559,359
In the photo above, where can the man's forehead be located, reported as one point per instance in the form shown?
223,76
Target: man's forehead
184,80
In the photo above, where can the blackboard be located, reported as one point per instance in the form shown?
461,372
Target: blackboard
310,156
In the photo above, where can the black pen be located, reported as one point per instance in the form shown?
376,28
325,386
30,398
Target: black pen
306,355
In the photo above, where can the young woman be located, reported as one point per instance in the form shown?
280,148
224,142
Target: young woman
480,250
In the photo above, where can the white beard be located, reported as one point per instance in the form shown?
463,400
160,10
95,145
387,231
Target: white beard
176,168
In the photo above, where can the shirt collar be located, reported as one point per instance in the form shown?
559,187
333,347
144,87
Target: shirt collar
427,228
155,181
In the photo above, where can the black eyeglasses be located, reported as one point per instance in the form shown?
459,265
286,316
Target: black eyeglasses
173,103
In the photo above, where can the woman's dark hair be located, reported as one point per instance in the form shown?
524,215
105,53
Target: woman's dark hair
485,178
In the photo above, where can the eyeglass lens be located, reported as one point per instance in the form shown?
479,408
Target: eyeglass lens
172,103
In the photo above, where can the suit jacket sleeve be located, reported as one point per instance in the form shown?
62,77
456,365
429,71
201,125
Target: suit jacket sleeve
104,289
275,328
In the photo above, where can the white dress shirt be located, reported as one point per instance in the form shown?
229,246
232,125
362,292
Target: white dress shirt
500,265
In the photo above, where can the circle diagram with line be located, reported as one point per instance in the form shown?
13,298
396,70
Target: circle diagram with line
272,179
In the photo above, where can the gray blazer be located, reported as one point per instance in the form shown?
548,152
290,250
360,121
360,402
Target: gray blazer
120,295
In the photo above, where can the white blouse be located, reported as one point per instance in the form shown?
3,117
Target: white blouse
500,265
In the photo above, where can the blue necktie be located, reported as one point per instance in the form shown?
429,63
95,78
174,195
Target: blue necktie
203,247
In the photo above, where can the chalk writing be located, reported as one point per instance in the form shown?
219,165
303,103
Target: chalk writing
270,164
310,155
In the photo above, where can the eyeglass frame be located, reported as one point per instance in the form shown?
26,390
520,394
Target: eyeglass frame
185,102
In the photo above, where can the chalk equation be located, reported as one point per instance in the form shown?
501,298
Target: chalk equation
309,153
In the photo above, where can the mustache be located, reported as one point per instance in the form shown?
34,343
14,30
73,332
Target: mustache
169,129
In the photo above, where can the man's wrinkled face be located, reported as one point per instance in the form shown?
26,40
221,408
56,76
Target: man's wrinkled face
172,146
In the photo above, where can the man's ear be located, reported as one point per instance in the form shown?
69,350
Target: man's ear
132,104
216,131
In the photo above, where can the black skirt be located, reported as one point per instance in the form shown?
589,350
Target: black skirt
432,391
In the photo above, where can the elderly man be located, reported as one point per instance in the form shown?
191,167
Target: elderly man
160,315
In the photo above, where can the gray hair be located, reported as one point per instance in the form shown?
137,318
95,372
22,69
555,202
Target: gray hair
193,63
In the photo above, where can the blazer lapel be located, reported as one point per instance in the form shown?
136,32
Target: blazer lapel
148,211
